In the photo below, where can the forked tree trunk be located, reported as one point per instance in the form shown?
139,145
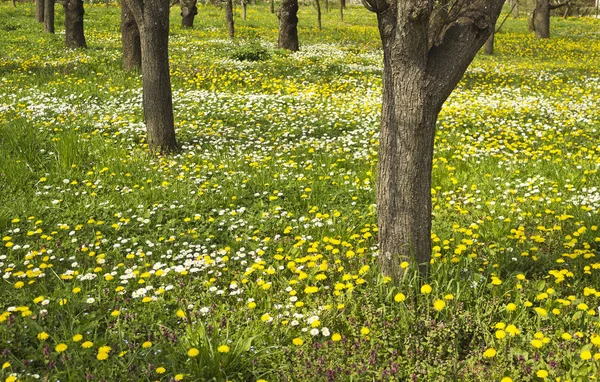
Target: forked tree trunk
229,18
422,65
189,10
152,19
49,16
130,38
541,19
243,9
74,37
318,4
288,25
39,10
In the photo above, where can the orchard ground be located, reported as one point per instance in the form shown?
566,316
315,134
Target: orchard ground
252,253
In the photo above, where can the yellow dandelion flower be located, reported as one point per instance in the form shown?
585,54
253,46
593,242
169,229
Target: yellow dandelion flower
489,353
87,344
426,289
439,305
223,349
77,337
193,352
61,348
336,337
297,341
160,370
541,373
586,355
399,297
42,336
146,344
365,331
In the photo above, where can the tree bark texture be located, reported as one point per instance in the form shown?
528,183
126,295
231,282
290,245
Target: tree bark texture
288,25
425,55
244,9
49,16
189,10
152,19
541,19
130,38
318,4
74,37
229,18
39,10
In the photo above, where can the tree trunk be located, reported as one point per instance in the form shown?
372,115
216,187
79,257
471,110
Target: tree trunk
152,19
229,18
342,6
515,4
14,3
318,4
189,10
422,65
272,6
39,10
288,25
541,19
74,37
488,47
327,5
243,9
49,16
130,38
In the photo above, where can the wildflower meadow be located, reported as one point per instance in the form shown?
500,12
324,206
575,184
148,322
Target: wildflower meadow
251,254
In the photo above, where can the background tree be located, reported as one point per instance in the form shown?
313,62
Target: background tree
244,5
74,37
272,6
288,25
152,19
540,18
39,10
342,7
426,52
49,16
189,10
229,18
318,5
130,38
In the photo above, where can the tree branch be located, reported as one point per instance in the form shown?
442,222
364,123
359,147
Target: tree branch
457,44
137,10
559,5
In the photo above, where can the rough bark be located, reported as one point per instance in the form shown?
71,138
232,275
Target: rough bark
244,6
49,16
189,10
318,4
74,37
152,19
425,55
541,19
288,25
130,38
39,10
229,18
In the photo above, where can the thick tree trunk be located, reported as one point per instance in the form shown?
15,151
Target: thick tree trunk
189,10
39,10
229,18
243,9
152,18
74,37
130,37
318,4
272,6
49,16
541,19
288,25
422,65
488,47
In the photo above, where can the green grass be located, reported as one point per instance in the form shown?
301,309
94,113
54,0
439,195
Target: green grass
263,228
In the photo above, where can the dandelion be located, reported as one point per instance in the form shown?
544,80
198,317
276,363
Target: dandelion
42,336
87,344
146,344
426,289
506,379
365,331
223,349
102,356
5,365
160,370
399,297
61,348
178,377
541,373
511,308
77,337
336,337
586,355
489,353
193,352
180,313
439,305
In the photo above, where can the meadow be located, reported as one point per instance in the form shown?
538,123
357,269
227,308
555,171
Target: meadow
251,255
